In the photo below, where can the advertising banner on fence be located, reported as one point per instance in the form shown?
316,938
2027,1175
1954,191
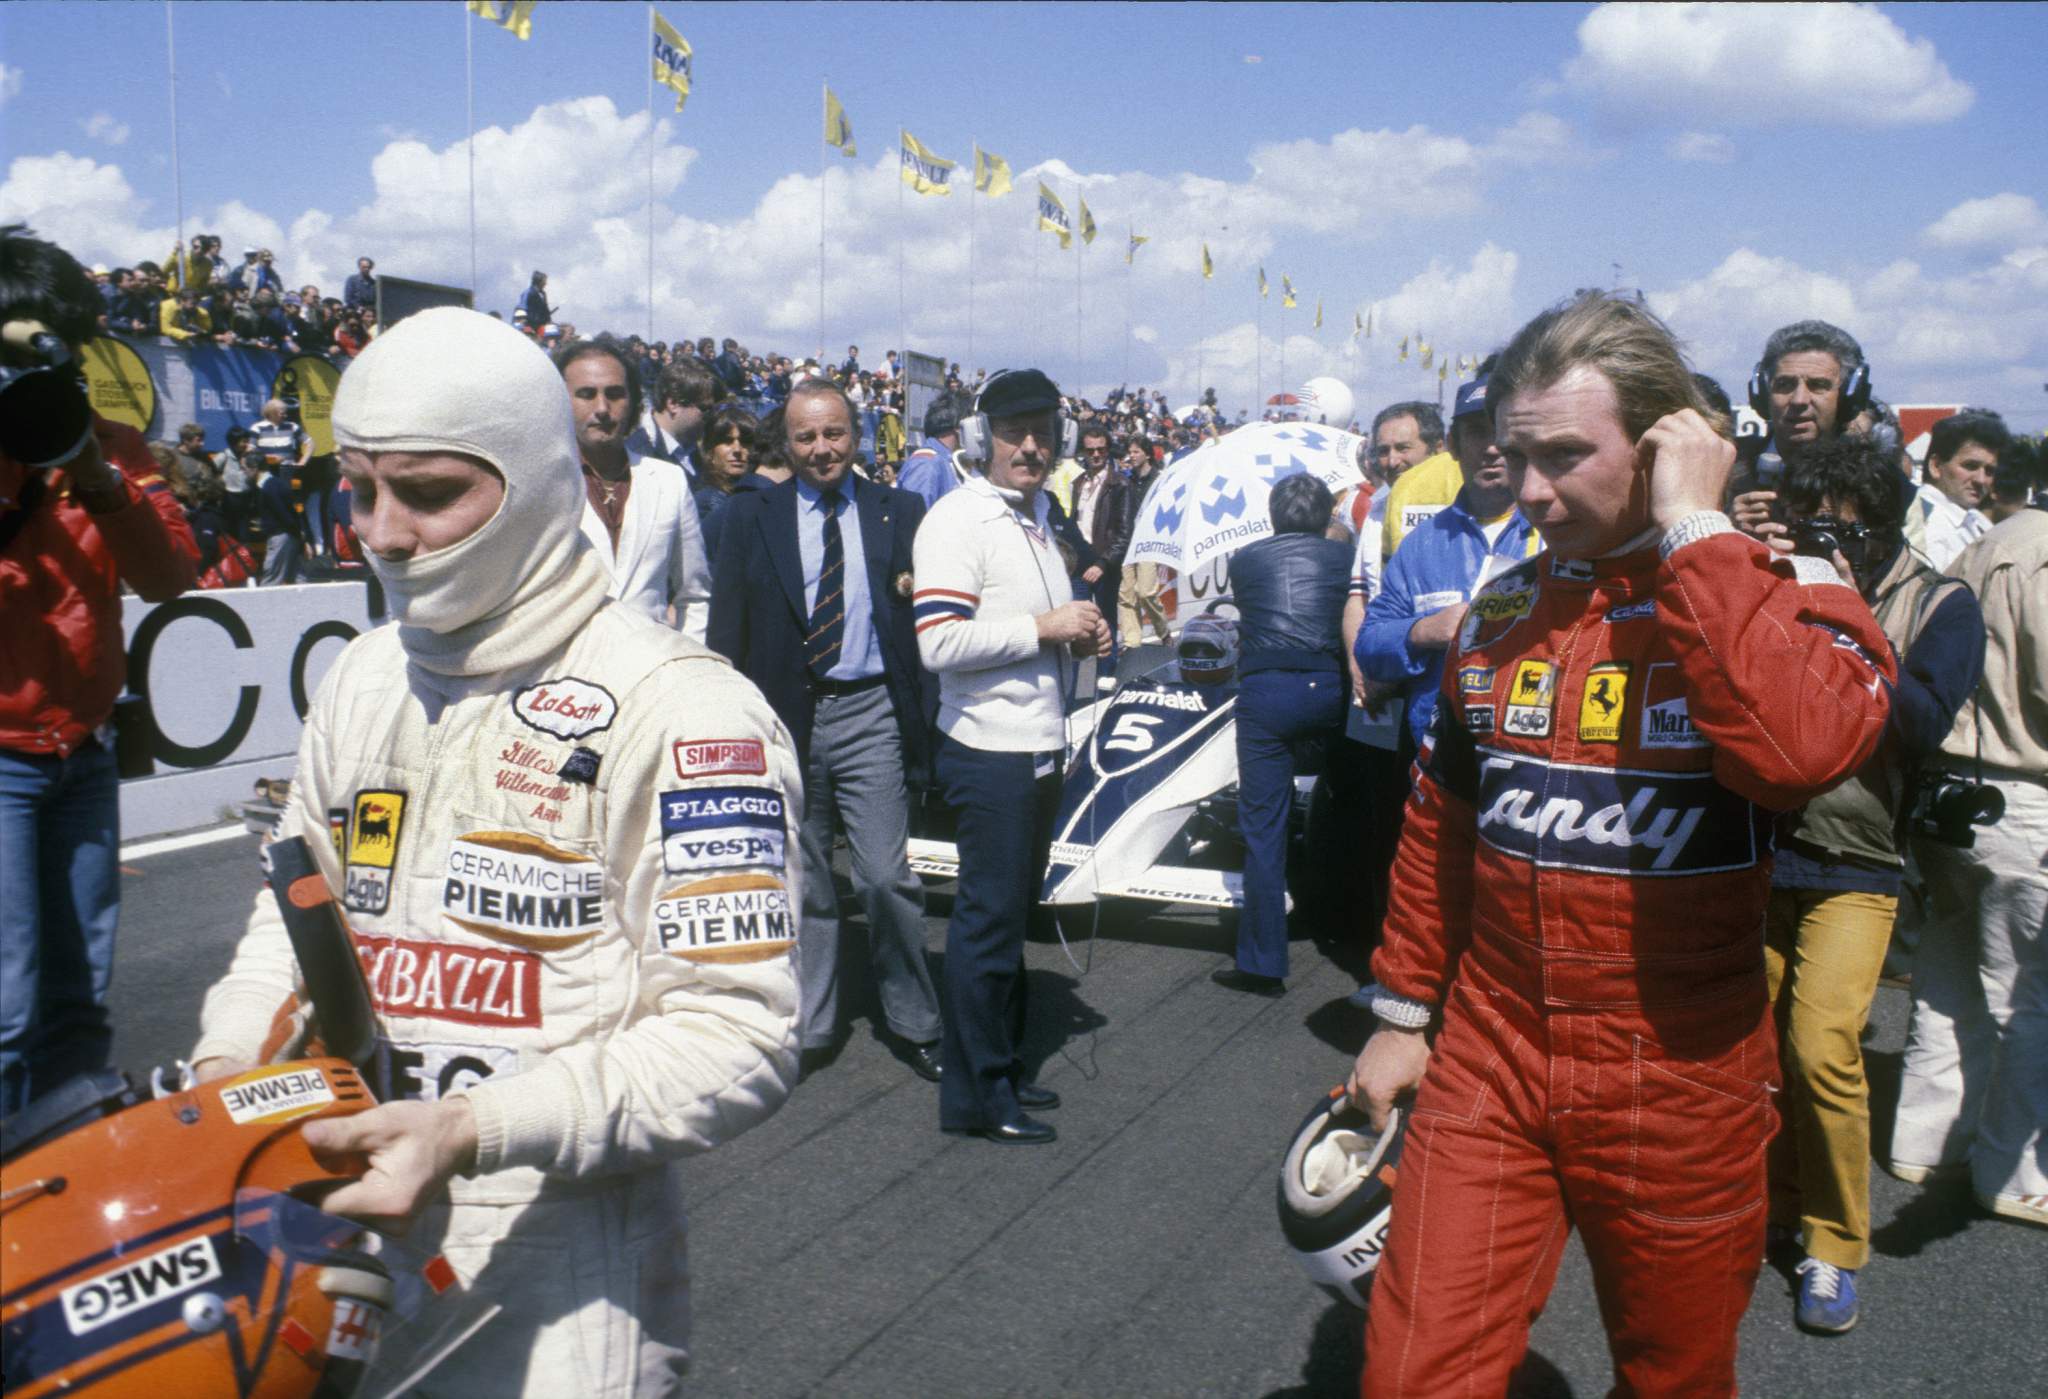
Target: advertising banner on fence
156,386
227,678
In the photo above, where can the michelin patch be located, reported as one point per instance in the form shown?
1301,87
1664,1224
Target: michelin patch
1530,700
1667,721
1602,702
708,828
566,707
377,822
727,918
513,887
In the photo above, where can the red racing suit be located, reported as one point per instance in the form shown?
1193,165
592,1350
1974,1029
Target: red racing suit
1579,893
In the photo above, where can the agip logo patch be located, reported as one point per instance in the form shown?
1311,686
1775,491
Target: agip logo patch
1531,697
377,822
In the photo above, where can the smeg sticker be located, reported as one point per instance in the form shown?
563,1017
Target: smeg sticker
567,708
152,1278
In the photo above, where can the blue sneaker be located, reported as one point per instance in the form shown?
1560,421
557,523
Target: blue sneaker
1827,1297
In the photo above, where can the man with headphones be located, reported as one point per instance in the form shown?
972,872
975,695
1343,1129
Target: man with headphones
998,623
1810,385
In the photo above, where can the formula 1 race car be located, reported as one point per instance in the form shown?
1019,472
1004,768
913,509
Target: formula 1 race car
1149,806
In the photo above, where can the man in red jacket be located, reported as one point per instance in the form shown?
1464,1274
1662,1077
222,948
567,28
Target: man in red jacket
70,536
1573,965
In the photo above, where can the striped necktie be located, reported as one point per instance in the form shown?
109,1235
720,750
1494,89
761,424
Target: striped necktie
828,615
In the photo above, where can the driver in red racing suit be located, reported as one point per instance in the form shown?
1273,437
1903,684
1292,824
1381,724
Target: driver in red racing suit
1578,898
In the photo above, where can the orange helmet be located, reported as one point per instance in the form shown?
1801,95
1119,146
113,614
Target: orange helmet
167,1246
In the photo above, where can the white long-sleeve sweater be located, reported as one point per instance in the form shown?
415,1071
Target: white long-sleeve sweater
984,575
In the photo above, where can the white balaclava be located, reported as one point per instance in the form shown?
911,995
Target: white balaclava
451,380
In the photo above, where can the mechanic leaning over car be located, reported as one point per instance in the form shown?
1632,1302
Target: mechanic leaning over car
1572,971
997,622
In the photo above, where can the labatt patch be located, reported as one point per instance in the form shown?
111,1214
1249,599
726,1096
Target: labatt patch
566,707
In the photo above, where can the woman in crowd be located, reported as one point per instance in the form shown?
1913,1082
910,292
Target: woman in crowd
725,454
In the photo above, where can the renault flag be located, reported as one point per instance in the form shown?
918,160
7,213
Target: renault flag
1052,216
671,59
1208,267
1138,240
1262,282
1287,292
991,173
923,171
838,130
512,16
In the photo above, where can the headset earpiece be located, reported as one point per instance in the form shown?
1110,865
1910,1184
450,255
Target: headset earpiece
1854,399
1760,392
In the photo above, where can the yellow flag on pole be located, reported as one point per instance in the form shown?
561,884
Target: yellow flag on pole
1138,240
1404,347
512,16
924,172
991,173
1262,281
1427,353
838,130
1087,224
1208,267
671,59
1442,370
1052,216
1286,292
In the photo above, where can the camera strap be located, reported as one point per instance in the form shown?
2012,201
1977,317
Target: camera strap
16,519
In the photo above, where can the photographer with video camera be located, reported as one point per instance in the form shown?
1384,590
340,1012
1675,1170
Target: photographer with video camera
82,511
1835,884
1975,1089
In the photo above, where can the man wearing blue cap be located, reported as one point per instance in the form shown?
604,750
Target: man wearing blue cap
998,623
1441,564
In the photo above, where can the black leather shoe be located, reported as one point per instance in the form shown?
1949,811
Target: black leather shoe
924,1062
1237,979
1036,1097
1019,1131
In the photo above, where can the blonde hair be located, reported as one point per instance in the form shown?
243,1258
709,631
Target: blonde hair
1624,340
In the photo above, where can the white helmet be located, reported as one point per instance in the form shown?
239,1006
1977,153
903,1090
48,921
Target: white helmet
1337,1196
1326,401
1207,650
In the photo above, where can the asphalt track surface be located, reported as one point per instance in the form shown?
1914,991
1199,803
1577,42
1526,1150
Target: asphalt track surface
846,1247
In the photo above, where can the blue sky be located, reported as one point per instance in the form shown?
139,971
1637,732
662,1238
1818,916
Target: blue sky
1455,168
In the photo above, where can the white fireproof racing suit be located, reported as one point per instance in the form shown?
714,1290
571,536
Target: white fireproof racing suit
571,887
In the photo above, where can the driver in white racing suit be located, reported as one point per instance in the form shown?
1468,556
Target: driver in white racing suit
563,835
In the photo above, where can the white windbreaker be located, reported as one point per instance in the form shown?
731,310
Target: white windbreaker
571,880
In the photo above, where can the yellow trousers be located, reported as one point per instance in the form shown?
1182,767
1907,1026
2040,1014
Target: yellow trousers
1137,601
1823,950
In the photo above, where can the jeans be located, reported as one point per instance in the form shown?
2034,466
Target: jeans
1823,949
1005,817
1276,709
60,896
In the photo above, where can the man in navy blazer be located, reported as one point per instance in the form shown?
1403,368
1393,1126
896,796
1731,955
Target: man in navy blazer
810,599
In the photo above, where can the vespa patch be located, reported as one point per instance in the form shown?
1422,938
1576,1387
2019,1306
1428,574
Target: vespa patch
1530,700
727,918
708,828
377,822
147,1280
719,757
567,708
513,887
1667,722
273,1095
1602,702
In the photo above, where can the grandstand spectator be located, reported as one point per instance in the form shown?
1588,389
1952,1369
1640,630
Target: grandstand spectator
730,366
259,321
361,289
181,317
1962,453
192,460
534,302
247,274
240,471
112,286
850,366
191,269
728,456
351,335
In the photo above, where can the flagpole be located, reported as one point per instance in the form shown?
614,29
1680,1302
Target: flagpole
973,187
1259,357
1130,267
902,333
824,91
177,172
1080,247
1283,338
469,144
650,173
1202,325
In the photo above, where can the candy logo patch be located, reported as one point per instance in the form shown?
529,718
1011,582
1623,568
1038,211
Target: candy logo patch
719,757
379,818
108,1298
270,1096
728,918
1530,699
516,887
567,707
1600,706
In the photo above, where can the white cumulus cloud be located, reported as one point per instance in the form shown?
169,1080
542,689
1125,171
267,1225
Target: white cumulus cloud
1707,147
102,127
1833,64
2001,221
10,83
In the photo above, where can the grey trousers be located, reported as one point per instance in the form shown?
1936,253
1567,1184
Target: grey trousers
855,778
